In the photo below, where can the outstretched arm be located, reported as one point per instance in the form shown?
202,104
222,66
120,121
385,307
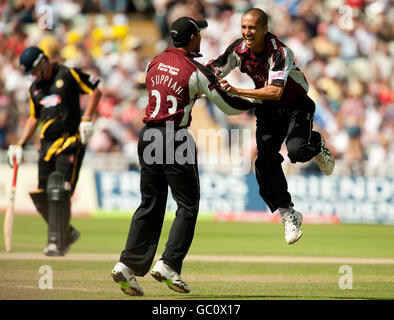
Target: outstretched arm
228,103
229,60
203,81
268,92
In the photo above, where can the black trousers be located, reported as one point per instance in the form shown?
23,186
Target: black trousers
65,157
162,158
291,123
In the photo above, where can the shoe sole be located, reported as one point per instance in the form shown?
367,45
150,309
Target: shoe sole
300,219
53,254
327,172
322,168
119,278
173,286
296,239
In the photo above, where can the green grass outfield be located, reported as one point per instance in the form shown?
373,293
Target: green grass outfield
226,261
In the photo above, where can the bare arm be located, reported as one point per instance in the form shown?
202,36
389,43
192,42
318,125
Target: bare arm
28,131
92,104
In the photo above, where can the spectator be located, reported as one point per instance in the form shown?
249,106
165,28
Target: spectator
330,55
352,115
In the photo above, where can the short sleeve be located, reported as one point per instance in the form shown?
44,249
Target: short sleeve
86,83
34,110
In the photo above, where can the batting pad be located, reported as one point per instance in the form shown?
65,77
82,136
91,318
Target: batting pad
59,206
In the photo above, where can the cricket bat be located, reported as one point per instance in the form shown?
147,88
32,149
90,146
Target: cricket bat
9,214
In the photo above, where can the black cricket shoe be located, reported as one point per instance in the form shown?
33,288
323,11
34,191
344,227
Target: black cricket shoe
52,250
73,236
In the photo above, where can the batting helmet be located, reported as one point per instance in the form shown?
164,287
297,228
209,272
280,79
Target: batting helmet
30,58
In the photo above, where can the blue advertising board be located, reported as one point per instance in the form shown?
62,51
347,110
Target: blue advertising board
219,192
350,199
360,199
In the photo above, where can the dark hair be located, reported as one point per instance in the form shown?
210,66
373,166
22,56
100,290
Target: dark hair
262,16
183,41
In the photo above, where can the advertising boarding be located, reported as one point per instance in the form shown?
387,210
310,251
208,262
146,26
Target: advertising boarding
321,199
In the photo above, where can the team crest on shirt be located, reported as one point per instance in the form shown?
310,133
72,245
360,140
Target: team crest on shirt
59,83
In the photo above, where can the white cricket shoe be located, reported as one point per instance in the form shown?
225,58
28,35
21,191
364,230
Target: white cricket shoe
52,250
123,275
325,160
292,221
163,273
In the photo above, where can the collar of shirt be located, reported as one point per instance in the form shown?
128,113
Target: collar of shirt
55,68
183,52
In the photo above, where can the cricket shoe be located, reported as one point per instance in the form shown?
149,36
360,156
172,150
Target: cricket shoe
325,160
164,273
73,236
292,221
52,250
125,277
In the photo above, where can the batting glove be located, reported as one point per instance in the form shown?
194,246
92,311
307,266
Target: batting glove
15,151
86,130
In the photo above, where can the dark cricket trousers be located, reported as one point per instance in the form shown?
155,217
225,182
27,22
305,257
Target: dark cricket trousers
68,162
291,123
65,156
169,169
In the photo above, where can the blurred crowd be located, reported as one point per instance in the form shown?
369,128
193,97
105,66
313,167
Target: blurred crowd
344,47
